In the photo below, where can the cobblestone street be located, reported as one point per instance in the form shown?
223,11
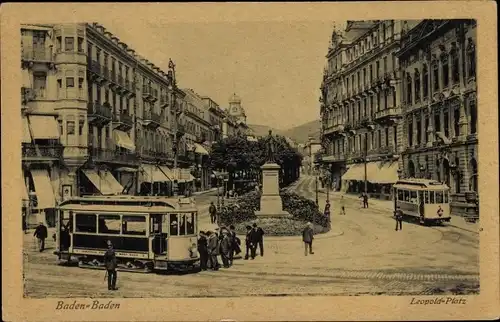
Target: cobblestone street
363,254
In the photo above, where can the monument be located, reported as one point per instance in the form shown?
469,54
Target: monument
270,201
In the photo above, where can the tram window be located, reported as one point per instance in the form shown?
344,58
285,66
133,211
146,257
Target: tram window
86,223
67,220
406,196
413,196
426,196
134,225
182,224
446,196
400,195
431,196
439,197
190,224
174,225
109,224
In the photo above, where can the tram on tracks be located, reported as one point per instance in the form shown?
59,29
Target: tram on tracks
426,200
149,234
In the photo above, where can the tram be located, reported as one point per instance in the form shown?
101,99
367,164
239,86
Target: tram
149,234
427,200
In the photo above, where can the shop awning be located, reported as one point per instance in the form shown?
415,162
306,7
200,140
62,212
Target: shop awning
26,130
44,127
126,169
200,149
151,173
388,173
355,172
183,175
122,139
167,172
43,189
104,182
373,171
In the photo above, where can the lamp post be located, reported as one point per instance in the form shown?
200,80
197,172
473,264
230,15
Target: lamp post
173,87
316,185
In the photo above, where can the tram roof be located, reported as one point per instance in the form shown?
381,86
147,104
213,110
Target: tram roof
128,203
415,183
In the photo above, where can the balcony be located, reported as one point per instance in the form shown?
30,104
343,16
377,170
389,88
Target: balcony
129,88
335,129
383,151
97,72
27,95
151,155
123,122
147,92
98,114
163,101
181,130
388,115
151,119
37,152
123,157
337,157
33,54
98,154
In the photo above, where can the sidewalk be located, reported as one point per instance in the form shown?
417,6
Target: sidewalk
198,193
387,205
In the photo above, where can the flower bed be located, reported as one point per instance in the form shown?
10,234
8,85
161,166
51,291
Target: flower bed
242,213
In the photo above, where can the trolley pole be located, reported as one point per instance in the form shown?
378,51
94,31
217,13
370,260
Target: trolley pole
365,163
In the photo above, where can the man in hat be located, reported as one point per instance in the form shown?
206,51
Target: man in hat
111,263
398,215
41,234
255,239
212,210
248,241
213,250
225,248
203,250
307,238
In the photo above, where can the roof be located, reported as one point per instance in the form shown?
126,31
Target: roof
414,183
127,203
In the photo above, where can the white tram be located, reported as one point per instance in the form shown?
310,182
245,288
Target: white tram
427,200
148,233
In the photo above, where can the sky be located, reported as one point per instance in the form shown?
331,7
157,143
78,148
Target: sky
275,67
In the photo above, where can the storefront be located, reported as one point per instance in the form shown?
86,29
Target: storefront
380,176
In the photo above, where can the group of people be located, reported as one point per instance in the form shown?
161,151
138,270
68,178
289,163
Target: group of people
225,243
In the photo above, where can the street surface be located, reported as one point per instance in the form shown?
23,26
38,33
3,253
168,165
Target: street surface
363,254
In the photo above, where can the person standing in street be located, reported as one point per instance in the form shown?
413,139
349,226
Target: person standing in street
254,241
327,209
260,238
225,248
342,205
398,215
213,251
203,250
307,238
213,213
235,244
248,242
364,195
111,263
41,234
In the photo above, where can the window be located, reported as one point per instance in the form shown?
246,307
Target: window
80,44
58,44
413,196
426,126
59,83
456,119
446,124
435,76
80,82
473,117
80,127
471,58
174,225
89,51
431,197
439,196
384,66
379,138
377,69
60,125
395,137
437,122
446,72
109,224
134,225
70,82
425,80
426,197
86,223
386,136
70,127
455,70
447,196
417,86
406,196
371,72
69,44
410,132
408,89
419,130
400,195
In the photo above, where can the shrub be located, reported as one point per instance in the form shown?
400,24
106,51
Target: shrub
302,208
241,210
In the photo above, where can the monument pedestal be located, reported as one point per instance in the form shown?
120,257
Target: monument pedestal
270,201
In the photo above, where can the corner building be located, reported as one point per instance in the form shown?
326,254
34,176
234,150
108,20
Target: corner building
439,141
360,107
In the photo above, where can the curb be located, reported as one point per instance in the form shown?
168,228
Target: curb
327,235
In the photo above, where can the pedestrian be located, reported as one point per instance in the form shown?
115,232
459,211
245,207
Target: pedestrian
364,195
212,210
398,215
41,234
248,241
235,244
255,240
327,209
203,250
111,263
260,238
307,238
225,248
213,250
342,205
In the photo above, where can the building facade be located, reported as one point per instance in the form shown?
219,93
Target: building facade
439,141
360,106
97,118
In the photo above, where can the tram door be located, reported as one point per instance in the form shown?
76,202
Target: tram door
159,237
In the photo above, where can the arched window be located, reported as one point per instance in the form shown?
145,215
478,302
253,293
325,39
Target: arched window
473,179
435,76
417,85
446,71
425,80
455,63
408,89
471,58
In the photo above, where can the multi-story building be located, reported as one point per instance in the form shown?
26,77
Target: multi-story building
360,106
96,116
216,118
439,141
235,121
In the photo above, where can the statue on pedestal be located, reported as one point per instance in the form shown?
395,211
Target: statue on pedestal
270,148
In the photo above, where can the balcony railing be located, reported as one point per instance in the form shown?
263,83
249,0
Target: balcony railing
95,108
100,154
125,157
152,116
163,100
33,53
388,112
146,90
42,151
